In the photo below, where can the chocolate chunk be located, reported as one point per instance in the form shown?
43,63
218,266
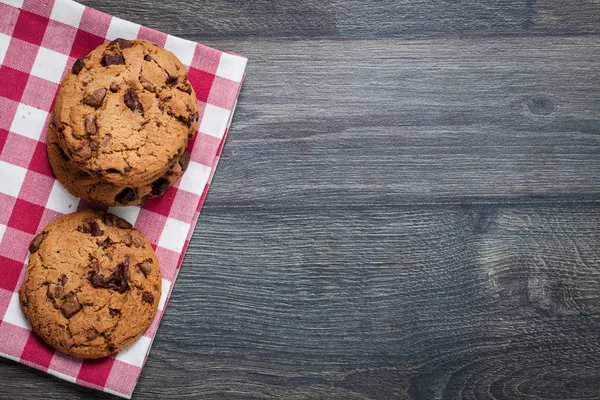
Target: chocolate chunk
147,84
95,229
84,229
113,220
37,241
184,161
132,101
78,65
103,243
63,279
50,292
116,281
137,242
95,99
114,312
112,59
90,125
145,267
58,291
91,334
148,298
83,152
171,80
123,43
127,239
114,87
70,305
148,58
191,119
159,186
125,196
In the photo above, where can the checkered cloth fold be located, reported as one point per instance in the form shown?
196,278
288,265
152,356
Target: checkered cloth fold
39,41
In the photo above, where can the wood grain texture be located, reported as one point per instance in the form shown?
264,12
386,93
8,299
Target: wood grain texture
407,207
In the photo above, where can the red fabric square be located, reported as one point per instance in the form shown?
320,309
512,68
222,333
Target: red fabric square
209,146
184,205
39,161
161,204
37,352
43,8
30,27
223,93
39,93
8,108
13,243
169,262
36,188
8,203
156,37
84,43
59,37
20,55
123,377
3,137
5,297
206,59
26,216
8,18
95,372
13,339
202,83
13,84
18,150
11,271
48,216
151,224
95,22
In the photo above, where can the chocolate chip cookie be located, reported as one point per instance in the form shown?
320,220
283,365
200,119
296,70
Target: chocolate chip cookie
125,112
81,184
92,285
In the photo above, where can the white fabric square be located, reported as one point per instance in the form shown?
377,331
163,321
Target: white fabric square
214,121
119,28
12,178
67,12
2,230
4,42
60,200
129,214
136,353
231,67
195,178
174,234
14,315
164,293
29,121
183,49
16,3
49,65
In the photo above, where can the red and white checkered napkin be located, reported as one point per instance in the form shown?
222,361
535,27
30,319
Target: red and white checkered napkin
39,41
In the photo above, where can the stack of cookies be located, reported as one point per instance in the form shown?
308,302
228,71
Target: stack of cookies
118,135
121,124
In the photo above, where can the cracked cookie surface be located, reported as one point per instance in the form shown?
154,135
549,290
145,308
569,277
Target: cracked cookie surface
125,112
81,184
92,285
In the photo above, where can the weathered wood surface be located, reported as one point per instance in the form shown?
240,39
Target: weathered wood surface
408,206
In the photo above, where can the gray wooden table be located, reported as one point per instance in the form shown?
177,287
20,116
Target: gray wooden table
408,206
